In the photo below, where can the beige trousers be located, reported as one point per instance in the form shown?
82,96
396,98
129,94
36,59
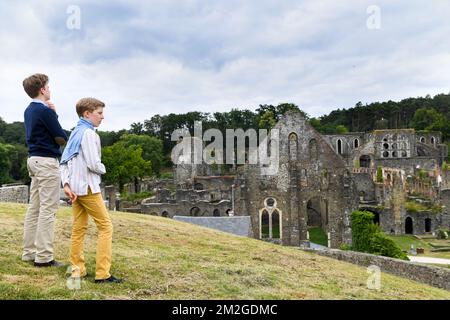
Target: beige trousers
40,217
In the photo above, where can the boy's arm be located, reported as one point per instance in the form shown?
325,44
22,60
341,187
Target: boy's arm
50,121
91,152
65,175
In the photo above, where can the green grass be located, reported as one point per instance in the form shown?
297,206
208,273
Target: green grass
160,258
405,241
317,235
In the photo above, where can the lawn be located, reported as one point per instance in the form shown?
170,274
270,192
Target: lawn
405,241
160,258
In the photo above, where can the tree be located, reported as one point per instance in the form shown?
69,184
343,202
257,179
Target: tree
137,128
152,149
341,129
5,163
124,164
431,120
267,120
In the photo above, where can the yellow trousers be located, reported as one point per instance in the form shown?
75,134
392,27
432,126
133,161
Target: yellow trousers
85,206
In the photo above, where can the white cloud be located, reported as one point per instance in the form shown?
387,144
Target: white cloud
168,56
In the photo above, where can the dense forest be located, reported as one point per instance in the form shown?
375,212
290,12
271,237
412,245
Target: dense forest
145,147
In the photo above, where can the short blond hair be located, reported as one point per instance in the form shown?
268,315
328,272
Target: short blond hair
88,104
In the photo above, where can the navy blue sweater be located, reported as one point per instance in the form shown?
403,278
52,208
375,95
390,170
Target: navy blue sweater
41,129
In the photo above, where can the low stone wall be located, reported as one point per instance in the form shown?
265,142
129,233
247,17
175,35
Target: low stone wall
433,276
240,226
17,194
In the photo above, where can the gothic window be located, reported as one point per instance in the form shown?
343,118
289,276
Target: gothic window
293,145
265,225
339,146
275,225
422,139
356,143
433,140
313,150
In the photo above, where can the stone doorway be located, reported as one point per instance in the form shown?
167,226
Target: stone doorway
409,225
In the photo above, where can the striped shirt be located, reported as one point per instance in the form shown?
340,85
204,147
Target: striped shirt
85,169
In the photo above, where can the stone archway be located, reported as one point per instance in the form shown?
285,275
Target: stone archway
364,161
427,225
216,213
195,212
165,214
409,228
317,220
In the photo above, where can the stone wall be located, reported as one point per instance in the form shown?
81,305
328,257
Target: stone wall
18,194
433,276
240,226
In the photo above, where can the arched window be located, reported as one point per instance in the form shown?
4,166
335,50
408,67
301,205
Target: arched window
313,154
293,146
422,139
433,140
275,225
216,213
339,146
198,186
265,225
356,143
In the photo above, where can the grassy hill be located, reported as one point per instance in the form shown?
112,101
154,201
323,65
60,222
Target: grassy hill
161,258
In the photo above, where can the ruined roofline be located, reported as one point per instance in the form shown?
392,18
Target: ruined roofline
214,177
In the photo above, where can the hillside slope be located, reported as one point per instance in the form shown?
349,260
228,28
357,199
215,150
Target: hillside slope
161,258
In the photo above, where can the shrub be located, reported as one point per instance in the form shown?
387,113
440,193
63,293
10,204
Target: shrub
413,206
167,175
441,234
367,237
379,174
383,246
363,229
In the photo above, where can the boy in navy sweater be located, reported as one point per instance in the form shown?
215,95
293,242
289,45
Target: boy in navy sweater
44,137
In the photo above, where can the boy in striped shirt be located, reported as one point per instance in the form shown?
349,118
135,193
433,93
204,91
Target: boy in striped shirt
81,169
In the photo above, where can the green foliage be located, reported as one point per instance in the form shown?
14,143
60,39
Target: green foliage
267,120
152,148
367,237
380,174
422,174
431,120
441,234
166,175
341,129
414,207
5,163
124,164
363,230
383,246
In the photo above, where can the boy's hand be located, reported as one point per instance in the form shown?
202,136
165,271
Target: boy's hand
72,196
51,105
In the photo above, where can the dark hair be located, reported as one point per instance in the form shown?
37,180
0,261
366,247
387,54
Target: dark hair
33,84
88,104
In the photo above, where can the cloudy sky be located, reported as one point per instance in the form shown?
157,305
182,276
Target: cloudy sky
160,56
